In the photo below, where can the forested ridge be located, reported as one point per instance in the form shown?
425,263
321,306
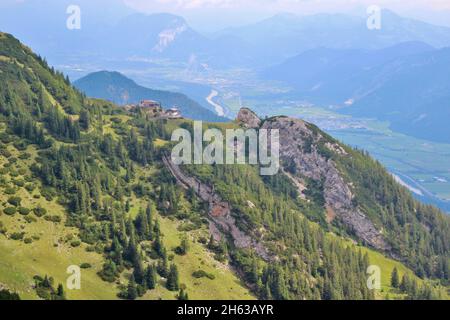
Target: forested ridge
100,162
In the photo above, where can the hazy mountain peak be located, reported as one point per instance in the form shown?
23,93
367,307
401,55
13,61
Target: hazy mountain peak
167,36
284,16
118,88
109,75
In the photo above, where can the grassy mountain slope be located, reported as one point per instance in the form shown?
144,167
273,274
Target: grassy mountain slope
50,236
117,88
82,181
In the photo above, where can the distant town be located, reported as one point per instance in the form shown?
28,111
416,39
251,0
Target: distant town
155,110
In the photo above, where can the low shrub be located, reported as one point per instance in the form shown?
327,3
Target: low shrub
19,183
20,145
25,156
30,219
2,228
10,191
55,219
10,211
24,211
75,243
30,187
12,160
14,201
48,194
5,153
203,274
39,211
17,235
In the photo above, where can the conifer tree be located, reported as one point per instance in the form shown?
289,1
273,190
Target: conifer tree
151,277
60,292
131,289
173,279
395,282
183,295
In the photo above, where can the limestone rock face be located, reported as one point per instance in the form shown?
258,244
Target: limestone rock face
248,118
220,212
304,155
302,158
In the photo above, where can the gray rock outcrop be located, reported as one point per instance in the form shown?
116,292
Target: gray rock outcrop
299,150
248,118
220,212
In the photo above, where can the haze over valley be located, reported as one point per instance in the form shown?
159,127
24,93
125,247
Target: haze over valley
224,150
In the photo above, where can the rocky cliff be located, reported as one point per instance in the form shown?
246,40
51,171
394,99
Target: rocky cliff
222,223
304,153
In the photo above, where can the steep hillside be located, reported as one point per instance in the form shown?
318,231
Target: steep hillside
70,194
121,90
84,183
363,199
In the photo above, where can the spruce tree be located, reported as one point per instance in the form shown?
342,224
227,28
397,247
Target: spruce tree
405,284
163,267
151,277
183,295
173,282
149,215
60,292
131,289
395,282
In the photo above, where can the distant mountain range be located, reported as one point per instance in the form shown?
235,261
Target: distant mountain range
286,35
393,73
407,84
121,90
126,34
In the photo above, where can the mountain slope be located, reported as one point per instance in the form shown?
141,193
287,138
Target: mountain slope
112,33
411,92
86,181
289,34
405,84
119,89
334,75
47,222
159,35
